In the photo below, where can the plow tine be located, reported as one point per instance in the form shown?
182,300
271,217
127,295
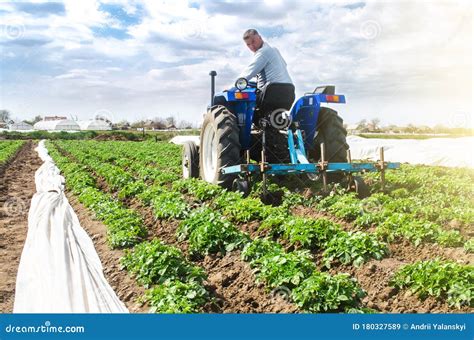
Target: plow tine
382,168
323,166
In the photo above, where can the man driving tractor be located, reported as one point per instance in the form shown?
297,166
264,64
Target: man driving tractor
268,65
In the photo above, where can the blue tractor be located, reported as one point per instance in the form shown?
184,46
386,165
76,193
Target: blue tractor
249,131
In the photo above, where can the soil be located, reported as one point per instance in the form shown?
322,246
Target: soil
230,280
17,186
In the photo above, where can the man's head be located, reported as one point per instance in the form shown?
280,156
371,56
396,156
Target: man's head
253,40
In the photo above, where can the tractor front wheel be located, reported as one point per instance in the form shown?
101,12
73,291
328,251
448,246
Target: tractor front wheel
220,146
190,160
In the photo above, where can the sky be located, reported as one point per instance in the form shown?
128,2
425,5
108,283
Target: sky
399,61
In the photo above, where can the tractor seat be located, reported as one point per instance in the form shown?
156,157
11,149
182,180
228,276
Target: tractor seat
276,96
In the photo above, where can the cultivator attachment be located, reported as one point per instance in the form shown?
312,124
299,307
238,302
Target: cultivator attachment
301,165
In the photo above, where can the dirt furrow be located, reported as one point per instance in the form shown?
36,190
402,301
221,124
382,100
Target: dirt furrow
17,187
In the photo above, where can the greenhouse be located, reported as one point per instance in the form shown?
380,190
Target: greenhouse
98,125
57,125
21,126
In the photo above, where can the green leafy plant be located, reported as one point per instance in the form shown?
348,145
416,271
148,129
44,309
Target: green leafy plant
201,190
285,269
124,226
207,232
355,248
322,292
275,220
446,280
153,262
449,238
258,248
469,246
8,149
170,204
177,297
245,210
310,233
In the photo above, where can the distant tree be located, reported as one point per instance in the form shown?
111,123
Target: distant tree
34,120
122,125
171,121
424,129
138,124
392,128
185,125
5,116
440,129
410,128
375,124
362,126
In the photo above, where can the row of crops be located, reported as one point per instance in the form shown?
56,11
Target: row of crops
286,250
421,204
8,149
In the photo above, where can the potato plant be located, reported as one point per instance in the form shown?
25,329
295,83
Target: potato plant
418,205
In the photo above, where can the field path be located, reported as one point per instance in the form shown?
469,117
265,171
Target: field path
17,187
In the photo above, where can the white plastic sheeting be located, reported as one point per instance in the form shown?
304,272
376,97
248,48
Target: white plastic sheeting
183,139
451,152
60,271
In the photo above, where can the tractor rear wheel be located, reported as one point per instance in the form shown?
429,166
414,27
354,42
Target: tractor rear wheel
331,132
190,160
220,146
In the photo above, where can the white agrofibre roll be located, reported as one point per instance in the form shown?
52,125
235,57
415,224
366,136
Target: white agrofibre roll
59,271
450,152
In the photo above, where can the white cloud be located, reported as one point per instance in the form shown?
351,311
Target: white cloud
402,61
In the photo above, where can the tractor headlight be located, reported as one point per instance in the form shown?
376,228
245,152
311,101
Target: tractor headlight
241,84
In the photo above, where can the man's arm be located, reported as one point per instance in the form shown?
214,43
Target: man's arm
257,65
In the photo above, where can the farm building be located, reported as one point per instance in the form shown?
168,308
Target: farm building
21,126
97,124
57,125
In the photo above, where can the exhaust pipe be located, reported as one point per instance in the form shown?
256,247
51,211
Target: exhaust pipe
213,75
